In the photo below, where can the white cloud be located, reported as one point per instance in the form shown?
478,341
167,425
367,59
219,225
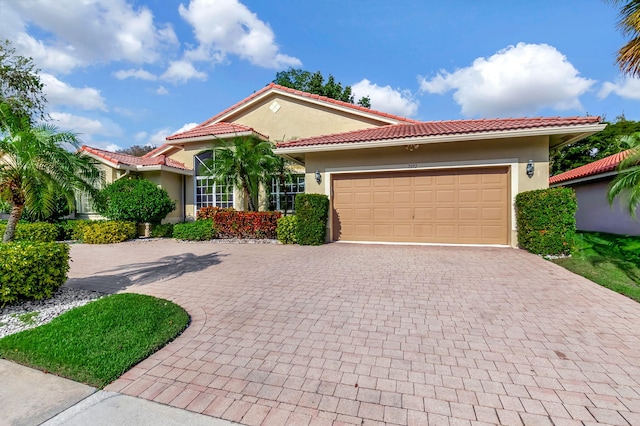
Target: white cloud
387,99
60,93
159,137
85,127
224,27
134,73
517,80
162,91
87,32
625,87
181,72
140,136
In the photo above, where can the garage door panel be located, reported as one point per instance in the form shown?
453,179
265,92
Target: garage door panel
467,206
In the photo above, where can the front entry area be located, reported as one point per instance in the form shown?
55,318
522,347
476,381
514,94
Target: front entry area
455,206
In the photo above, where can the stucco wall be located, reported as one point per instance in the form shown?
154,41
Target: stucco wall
595,214
172,183
514,153
297,119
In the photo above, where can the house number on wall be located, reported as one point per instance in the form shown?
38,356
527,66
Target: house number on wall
413,166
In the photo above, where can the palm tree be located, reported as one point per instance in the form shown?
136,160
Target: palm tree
35,167
246,163
629,24
628,182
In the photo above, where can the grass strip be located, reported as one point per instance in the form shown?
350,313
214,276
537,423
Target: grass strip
96,343
612,261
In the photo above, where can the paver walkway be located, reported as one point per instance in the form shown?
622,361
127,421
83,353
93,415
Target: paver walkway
370,334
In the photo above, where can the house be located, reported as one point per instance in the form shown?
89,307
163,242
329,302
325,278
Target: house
591,184
389,178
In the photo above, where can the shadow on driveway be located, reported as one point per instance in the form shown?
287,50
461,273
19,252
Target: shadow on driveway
164,269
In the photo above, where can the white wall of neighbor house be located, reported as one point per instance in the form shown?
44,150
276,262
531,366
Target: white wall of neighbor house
514,153
595,214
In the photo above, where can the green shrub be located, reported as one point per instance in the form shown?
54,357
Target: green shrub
135,200
108,232
60,208
4,206
287,229
312,211
200,230
38,232
162,231
546,220
32,270
71,229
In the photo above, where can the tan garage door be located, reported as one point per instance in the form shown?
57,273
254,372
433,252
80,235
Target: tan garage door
462,206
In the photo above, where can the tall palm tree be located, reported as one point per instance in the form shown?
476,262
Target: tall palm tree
629,24
35,166
627,182
246,163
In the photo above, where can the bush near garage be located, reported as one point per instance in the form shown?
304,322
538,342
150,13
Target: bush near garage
546,220
32,270
231,223
312,211
287,229
200,230
38,232
162,231
108,232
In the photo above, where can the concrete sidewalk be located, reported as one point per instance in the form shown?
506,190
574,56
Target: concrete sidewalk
31,397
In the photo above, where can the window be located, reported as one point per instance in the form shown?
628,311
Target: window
208,193
283,196
84,203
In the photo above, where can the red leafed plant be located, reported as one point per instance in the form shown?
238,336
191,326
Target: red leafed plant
231,223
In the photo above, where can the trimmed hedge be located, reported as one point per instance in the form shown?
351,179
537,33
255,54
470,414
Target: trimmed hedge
72,229
135,200
162,231
108,232
200,230
287,229
32,270
231,223
546,220
312,211
38,232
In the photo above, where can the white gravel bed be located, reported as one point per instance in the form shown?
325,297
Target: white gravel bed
33,313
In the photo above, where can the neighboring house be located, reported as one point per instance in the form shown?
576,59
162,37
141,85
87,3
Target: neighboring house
591,184
389,178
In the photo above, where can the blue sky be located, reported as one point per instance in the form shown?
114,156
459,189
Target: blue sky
125,72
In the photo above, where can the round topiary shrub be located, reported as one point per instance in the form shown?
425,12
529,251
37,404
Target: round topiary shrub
135,200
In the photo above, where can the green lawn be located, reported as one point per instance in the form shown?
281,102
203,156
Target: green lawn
612,261
96,343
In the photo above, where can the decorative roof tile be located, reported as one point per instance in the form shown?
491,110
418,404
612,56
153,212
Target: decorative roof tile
215,129
131,160
439,128
604,165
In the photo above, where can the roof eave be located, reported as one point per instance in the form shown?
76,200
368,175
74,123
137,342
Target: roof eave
164,168
212,138
584,179
458,137
595,129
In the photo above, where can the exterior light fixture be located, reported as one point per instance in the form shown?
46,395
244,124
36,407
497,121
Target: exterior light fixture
318,177
530,169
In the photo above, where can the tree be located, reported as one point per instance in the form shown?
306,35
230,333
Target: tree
628,58
20,85
627,182
246,163
314,83
36,166
616,137
136,150
282,173
135,200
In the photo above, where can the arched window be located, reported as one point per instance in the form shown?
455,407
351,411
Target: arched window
208,193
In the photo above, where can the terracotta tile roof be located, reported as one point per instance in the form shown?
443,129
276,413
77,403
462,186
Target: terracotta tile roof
604,165
130,160
215,129
310,96
439,128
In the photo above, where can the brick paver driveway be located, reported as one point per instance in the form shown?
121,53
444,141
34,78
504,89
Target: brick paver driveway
371,334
